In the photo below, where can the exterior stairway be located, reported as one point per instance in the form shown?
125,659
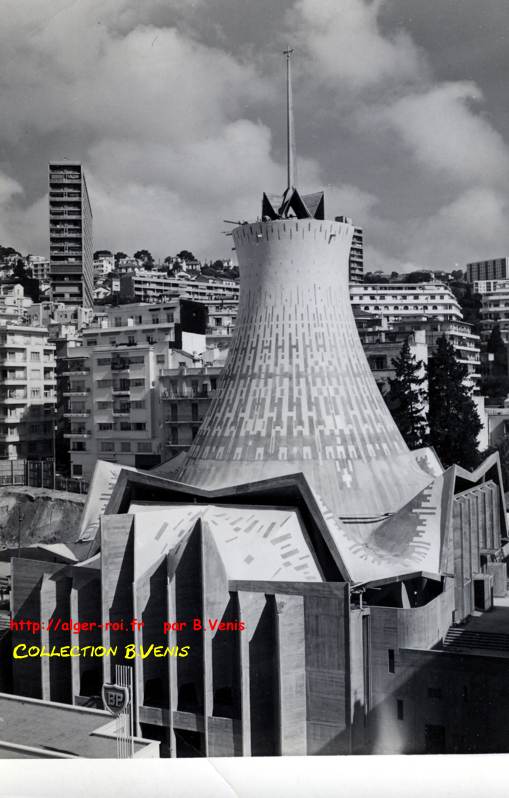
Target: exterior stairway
461,638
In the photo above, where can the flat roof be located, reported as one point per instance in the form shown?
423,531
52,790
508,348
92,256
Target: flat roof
53,728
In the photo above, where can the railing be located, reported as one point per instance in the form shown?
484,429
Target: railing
38,474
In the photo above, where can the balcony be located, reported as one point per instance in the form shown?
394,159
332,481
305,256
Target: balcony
121,413
75,373
57,176
79,436
70,214
77,414
76,392
14,398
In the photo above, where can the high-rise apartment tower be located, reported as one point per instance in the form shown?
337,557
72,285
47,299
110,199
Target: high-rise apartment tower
70,227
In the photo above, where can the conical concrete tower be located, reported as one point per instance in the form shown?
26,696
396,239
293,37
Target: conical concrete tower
296,393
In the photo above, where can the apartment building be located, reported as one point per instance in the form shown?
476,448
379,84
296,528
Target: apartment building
27,392
221,321
495,310
110,384
186,390
155,286
40,267
407,301
70,228
356,257
496,269
13,302
382,340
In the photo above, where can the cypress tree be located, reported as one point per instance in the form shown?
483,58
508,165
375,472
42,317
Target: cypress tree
453,419
406,397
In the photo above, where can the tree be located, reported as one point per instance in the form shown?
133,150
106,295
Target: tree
24,276
146,258
453,420
102,253
7,252
185,255
120,256
406,397
418,277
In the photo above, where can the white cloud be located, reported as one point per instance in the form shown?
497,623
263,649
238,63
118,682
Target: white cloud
347,47
443,132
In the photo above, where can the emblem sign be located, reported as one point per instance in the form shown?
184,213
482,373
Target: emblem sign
115,697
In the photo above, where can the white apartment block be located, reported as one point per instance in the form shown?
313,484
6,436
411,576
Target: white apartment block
495,310
112,396
27,392
154,286
40,267
406,300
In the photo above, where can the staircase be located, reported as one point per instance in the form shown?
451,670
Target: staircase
461,638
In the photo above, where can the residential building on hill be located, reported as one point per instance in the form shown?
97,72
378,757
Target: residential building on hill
70,229
27,392
495,269
407,301
110,384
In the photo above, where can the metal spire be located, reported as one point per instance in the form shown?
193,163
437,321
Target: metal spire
290,132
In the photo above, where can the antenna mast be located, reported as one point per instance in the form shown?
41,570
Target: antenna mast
290,132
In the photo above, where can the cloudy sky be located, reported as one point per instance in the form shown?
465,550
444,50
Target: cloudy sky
176,109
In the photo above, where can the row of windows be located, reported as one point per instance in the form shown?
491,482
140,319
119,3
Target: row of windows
125,446
403,296
123,426
407,307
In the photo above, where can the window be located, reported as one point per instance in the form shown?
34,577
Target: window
77,470
144,446
35,357
213,383
194,411
434,692
138,405
194,432
125,426
217,322
103,405
390,653
139,427
105,427
92,342
155,320
400,709
159,358
103,361
139,319
138,383
35,393
131,340
118,321
107,446
125,446
169,317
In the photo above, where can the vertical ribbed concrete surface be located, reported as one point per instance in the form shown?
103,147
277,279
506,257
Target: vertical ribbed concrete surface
297,393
